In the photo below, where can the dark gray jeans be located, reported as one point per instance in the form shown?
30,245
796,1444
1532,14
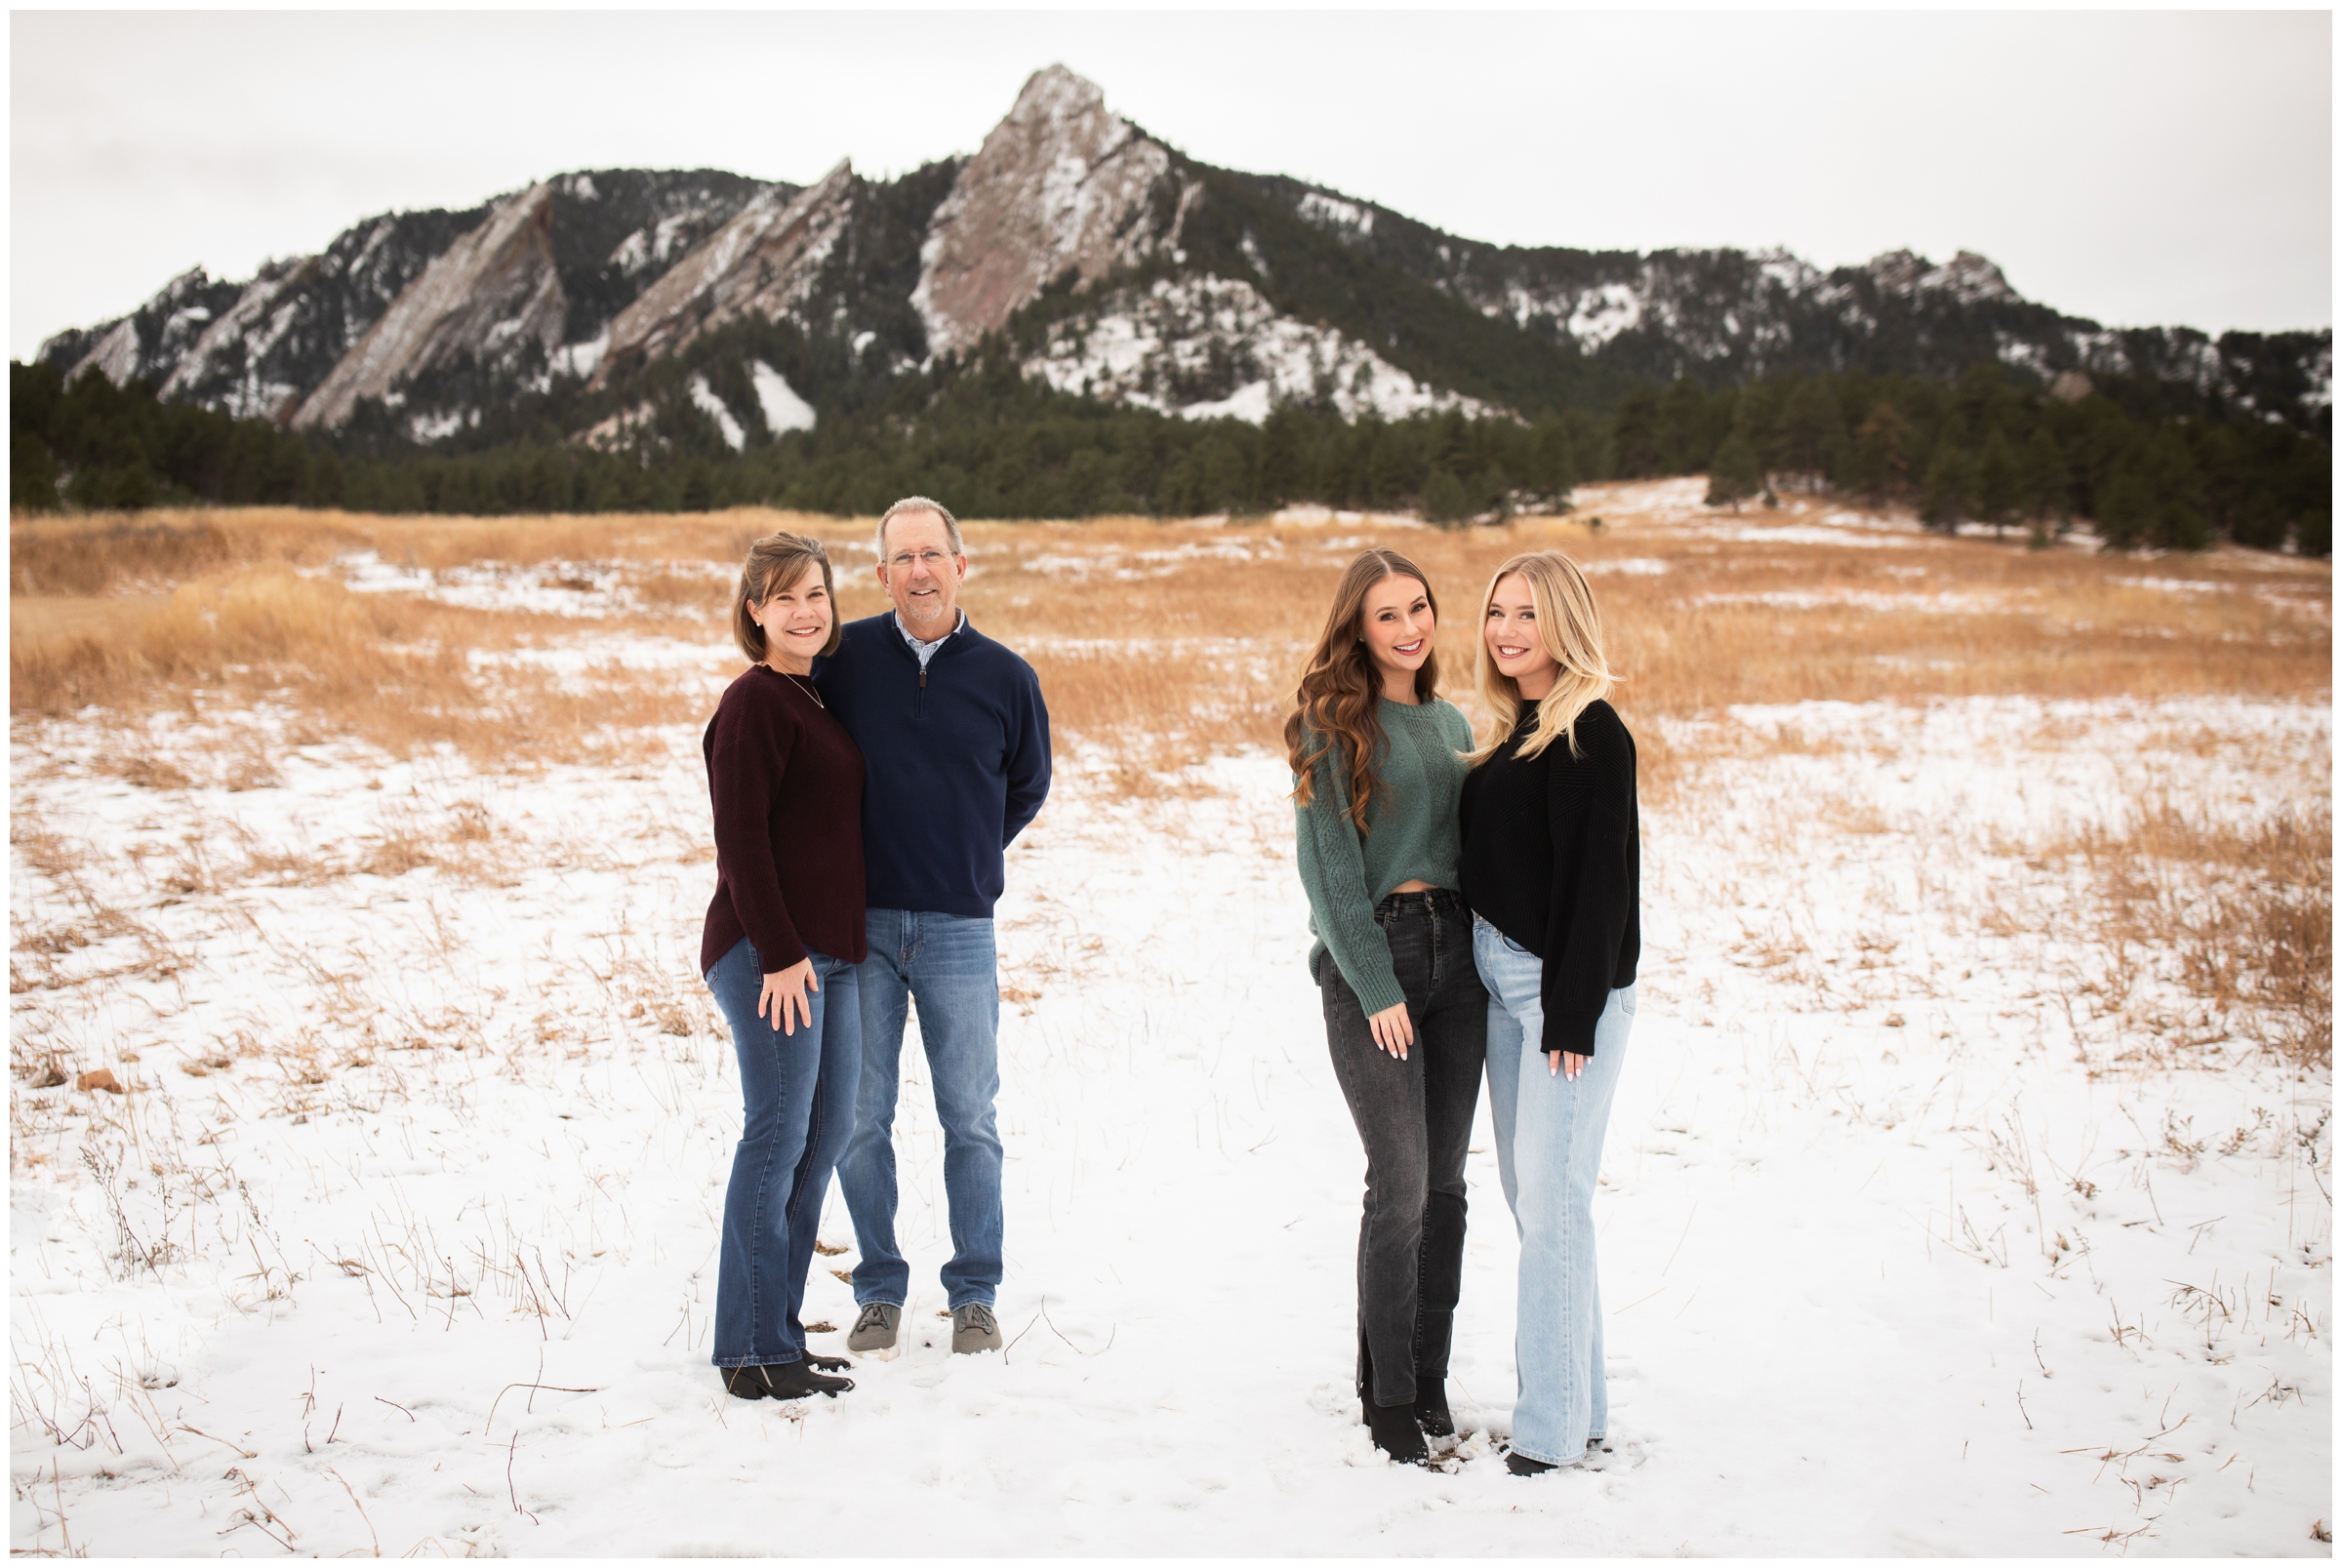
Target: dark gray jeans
1415,1119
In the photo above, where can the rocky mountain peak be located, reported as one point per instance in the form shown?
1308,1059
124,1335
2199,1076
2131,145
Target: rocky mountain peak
762,263
1054,187
490,291
1968,277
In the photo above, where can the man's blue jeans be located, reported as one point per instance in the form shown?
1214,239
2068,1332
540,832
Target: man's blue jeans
797,1109
1549,1155
946,963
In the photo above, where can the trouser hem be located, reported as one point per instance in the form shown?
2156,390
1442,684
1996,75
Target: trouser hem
1571,1463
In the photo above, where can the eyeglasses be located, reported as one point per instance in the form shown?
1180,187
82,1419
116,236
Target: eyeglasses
930,559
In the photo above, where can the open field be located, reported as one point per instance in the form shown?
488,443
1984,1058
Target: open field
1987,1014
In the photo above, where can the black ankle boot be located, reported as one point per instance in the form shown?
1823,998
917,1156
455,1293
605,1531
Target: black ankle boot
784,1380
794,1380
1431,1407
1395,1431
1522,1465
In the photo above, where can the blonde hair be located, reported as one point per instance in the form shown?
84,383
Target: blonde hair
1571,629
775,564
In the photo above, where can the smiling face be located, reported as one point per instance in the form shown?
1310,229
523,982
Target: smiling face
921,574
1396,622
797,622
1513,640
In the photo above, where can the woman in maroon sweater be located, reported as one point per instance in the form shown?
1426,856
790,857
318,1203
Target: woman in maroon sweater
783,937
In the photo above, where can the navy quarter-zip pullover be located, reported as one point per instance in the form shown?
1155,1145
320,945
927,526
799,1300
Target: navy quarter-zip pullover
957,759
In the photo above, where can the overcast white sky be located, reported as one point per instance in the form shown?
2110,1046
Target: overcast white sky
2140,168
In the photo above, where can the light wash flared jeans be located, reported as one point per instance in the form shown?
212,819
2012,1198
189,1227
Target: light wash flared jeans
1549,1155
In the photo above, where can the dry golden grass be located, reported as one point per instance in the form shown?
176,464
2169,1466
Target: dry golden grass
2246,908
1161,645
1153,630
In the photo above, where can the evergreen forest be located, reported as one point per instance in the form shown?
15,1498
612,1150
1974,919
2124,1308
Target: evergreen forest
2149,463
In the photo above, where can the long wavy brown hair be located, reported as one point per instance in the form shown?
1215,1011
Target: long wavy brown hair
1335,703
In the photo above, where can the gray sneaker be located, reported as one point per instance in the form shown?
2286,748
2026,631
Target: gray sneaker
974,1327
874,1331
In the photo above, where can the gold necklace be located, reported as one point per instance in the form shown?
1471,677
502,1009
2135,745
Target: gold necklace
805,686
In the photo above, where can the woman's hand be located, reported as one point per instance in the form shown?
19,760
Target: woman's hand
1392,1030
784,993
1565,1064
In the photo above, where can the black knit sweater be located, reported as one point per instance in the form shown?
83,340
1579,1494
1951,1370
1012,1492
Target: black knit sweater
1553,858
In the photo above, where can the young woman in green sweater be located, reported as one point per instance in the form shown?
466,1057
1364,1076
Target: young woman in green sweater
1378,770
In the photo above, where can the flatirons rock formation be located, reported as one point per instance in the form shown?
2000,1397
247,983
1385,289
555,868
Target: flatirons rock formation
494,289
764,262
1096,257
1062,186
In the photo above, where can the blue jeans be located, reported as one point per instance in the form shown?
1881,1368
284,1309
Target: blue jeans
797,1108
1549,1155
946,964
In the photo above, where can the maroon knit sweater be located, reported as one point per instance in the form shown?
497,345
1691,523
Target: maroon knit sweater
785,780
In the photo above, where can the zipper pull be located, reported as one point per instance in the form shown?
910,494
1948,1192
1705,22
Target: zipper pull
922,677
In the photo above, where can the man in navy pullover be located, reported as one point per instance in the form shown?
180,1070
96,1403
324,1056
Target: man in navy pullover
956,742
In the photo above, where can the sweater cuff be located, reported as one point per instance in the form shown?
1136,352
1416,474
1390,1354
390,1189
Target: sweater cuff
1379,995
773,960
1570,1032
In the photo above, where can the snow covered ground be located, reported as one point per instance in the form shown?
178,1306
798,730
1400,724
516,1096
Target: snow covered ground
1919,1234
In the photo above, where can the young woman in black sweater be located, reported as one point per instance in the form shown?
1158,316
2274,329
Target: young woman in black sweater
1551,868
779,949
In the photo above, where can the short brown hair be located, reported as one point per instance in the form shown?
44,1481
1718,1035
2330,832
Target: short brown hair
775,564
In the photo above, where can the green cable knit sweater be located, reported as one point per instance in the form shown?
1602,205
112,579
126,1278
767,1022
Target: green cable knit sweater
1412,836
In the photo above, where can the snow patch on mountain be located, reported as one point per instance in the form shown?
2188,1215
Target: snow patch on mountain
1347,219
1208,347
784,409
703,398
1600,314
581,358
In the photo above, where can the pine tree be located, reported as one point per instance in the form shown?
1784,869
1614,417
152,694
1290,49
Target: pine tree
1388,469
1999,492
1881,467
1281,456
1492,492
2042,479
31,474
1443,500
2125,503
1634,437
1734,475
1553,471
1949,491
1682,420
1808,437
2178,487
